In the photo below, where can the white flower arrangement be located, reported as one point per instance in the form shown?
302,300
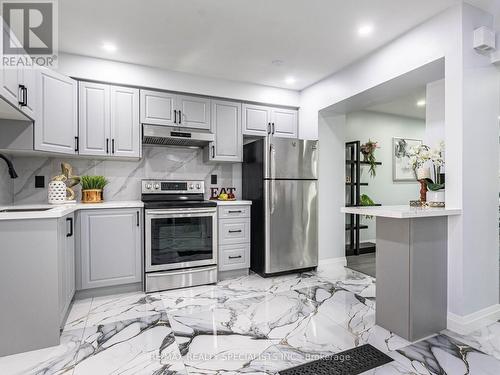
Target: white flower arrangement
423,155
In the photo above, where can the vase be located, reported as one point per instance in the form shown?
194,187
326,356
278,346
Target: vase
437,197
57,192
92,196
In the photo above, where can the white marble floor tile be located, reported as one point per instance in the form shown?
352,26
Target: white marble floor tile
486,339
78,314
58,359
144,345
443,355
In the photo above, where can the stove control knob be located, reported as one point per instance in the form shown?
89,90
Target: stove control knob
198,186
148,186
191,187
157,186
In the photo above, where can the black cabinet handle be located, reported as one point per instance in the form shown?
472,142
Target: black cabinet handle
25,96
138,218
213,152
235,211
180,117
21,99
175,116
235,231
273,128
113,146
77,144
107,145
70,220
235,257
268,128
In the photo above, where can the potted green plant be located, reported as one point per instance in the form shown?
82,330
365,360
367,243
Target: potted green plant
92,188
368,150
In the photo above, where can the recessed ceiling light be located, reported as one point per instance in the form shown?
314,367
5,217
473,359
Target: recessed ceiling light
421,103
109,47
365,30
290,80
277,62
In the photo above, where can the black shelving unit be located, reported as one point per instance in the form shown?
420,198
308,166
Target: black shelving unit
353,166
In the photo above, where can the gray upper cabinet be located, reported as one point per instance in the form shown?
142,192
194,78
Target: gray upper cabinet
10,85
125,124
56,115
157,108
226,124
168,109
28,91
261,120
17,86
94,118
193,112
110,247
109,120
256,119
284,123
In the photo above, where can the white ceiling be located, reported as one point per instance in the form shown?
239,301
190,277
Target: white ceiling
236,39
404,105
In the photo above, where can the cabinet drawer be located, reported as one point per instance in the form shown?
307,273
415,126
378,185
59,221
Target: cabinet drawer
234,257
234,231
230,211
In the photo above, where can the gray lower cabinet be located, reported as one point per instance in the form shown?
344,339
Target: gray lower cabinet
110,247
66,261
233,240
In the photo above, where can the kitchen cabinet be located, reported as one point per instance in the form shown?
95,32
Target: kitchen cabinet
109,120
226,125
110,247
17,86
56,116
233,238
66,264
259,120
168,109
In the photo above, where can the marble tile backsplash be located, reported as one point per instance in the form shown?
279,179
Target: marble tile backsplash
124,176
6,185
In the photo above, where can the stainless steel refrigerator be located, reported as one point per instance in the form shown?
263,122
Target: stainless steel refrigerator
280,178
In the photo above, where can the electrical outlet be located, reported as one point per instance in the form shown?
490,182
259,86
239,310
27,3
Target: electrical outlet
39,181
213,179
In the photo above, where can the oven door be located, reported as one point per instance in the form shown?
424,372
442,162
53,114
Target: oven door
180,238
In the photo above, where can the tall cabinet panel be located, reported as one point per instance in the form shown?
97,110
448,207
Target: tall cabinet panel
125,124
56,116
226,124
94,119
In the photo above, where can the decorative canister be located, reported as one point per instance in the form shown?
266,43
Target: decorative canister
92,196
57,192
436,198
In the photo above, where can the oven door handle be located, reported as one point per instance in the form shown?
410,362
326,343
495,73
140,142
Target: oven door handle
172,273
170,213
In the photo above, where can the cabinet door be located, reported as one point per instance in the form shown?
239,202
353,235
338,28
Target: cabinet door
284,123
66,263
110,247
256,119
157,108
70,259
28,80
125,125
10,79
194,112
94,119
226,124
56,122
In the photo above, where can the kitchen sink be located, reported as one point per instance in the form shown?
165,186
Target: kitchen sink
25,209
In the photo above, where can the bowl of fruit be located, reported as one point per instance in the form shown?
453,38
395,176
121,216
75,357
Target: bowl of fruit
226,197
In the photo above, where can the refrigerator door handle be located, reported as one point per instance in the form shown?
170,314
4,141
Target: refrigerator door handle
272,161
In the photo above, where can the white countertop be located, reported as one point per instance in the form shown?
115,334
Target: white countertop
60,210
401,212
233,203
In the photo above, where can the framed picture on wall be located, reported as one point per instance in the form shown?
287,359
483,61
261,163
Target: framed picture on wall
401,168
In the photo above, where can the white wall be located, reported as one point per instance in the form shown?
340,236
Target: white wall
471,110
381,127
144,76
434,113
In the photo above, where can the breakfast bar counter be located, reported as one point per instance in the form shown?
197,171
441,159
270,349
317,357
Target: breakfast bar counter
411,267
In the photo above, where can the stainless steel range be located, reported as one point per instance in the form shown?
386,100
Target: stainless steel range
180,235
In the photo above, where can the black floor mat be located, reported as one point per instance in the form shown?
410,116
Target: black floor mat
351,362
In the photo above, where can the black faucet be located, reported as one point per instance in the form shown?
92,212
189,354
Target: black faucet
12,171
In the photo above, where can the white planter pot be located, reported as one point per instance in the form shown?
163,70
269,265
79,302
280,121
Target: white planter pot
57,192
436,196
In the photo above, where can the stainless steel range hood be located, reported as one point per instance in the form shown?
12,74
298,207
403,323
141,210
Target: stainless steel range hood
171,136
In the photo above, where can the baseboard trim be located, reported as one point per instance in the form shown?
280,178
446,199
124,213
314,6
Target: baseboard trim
340,260
471,322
